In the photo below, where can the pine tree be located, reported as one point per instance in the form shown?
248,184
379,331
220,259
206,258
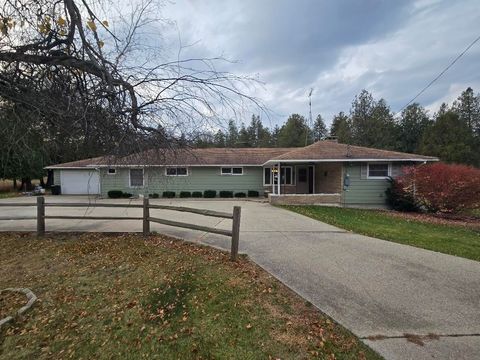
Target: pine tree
341,128
450,139
232,135
413,123
319,130
294,132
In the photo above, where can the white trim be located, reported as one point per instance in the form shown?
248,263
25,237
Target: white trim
269,162
143,178
177,167
292,176
111,174
263,175
346,160
231,170
379,177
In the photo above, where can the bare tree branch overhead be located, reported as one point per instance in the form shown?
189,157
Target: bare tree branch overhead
86,73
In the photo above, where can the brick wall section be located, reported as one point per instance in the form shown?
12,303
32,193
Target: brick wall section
317,199
328,178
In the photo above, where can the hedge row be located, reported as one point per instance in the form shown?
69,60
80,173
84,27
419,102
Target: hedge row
116,194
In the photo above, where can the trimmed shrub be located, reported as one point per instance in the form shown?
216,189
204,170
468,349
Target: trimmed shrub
168,194
226,194
240,195
209,193
253,193
197,194
441,187
115,194
126,195
185,194
154,196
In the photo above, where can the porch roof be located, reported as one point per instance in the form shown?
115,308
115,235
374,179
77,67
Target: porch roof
332,151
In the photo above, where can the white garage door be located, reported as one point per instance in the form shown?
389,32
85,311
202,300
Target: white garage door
76,182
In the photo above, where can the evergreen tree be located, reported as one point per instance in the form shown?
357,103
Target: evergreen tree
319,130
467,106
294,132
341,128
244,139
450,139
232,135
412,125
219,139
372,122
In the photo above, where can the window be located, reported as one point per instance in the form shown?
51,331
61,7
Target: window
136,177
111,171
267,176
231,171
176,171
378,171
286,175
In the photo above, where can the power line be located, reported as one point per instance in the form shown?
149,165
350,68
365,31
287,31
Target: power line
440,75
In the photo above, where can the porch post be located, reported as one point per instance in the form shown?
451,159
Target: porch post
279,178
272,178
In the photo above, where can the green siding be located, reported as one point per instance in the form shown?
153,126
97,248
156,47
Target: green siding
364,191
199,179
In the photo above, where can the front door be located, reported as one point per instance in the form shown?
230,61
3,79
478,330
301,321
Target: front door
305,179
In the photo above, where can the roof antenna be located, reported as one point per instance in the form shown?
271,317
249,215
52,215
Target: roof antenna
310,122
349,151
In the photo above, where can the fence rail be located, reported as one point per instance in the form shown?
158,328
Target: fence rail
234,234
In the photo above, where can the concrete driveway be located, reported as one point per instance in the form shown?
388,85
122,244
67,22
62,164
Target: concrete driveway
387,294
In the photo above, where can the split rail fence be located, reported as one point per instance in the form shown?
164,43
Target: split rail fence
234,233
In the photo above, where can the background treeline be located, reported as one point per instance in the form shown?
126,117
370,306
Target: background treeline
452,133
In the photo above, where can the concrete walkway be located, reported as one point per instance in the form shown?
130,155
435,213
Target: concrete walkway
385,293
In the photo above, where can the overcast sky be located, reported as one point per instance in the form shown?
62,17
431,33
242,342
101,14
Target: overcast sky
391,48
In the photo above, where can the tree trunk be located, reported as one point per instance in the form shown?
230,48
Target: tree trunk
14,184
27,184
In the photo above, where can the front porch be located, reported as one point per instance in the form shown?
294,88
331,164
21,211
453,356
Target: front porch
304,183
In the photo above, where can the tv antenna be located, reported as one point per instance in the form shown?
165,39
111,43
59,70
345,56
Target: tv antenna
310,121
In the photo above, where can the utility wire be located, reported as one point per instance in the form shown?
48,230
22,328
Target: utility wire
440,75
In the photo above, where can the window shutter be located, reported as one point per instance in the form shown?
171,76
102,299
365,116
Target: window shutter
363,171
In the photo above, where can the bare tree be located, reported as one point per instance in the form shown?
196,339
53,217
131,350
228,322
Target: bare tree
77,62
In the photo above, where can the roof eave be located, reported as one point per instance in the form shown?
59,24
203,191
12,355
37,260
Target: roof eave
345,160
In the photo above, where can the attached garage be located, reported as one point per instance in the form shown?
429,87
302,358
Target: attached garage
80,182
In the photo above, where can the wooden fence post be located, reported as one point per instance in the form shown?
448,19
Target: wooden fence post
146,215
40,216
235,232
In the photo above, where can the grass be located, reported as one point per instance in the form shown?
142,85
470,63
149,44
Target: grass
449,239
125,296
8,194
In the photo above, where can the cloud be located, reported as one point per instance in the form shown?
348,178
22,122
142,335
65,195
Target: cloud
392,49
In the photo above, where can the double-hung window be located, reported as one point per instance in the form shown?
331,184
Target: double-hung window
176,171
136,177
231,171
378,170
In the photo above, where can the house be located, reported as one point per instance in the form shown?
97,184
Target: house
326,172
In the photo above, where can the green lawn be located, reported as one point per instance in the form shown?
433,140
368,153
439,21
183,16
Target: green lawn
448,239
8,194
129,297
